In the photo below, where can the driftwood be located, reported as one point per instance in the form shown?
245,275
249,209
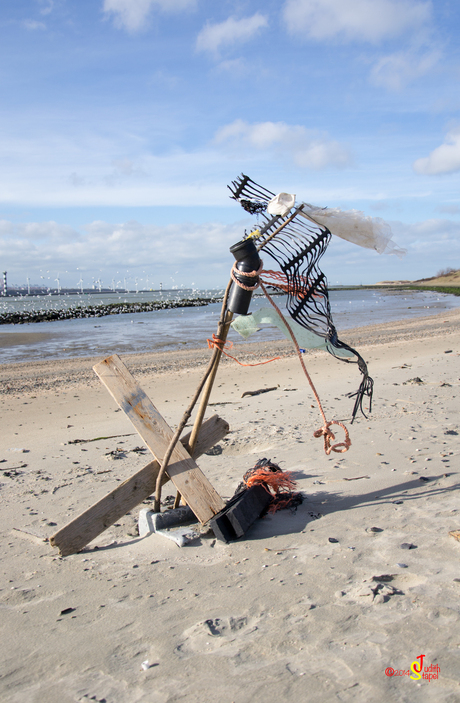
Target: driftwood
261,390
189,480
74,536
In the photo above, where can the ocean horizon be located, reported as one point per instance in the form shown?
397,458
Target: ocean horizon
179,328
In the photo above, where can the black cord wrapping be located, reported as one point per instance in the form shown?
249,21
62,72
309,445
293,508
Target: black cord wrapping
297,244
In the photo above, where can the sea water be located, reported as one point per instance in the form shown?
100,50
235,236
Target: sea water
182,328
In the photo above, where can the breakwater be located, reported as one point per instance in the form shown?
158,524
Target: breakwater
85,311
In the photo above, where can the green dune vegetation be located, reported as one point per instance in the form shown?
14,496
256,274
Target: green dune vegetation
445,281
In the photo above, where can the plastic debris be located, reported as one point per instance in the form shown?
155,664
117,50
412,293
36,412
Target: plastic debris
246,325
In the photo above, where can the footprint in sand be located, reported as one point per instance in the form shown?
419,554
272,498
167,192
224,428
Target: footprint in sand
214,633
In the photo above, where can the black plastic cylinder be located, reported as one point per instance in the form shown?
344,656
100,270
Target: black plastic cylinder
248,260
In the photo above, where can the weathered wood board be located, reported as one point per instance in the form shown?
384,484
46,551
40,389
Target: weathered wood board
74,536
189,480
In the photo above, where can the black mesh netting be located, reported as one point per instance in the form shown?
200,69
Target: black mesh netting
297,244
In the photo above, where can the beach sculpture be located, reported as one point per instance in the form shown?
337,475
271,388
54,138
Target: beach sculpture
295,237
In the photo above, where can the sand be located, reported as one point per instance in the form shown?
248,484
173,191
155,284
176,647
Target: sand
314,605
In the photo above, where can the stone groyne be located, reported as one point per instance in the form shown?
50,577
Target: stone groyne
83,311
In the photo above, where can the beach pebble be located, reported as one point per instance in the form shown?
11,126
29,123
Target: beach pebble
402,566
408,545
374,529
333,540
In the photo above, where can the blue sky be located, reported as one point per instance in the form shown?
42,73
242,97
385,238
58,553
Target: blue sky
123,121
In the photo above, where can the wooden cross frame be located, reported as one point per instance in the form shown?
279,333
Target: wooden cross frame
188,478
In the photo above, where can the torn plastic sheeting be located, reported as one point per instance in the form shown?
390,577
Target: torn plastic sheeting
356,227
246,325
352,225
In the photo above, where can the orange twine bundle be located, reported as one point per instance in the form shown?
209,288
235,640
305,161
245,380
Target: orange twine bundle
278,481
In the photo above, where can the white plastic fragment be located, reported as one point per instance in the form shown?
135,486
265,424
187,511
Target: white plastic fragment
246,325
281,204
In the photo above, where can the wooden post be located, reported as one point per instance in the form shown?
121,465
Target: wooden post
222,336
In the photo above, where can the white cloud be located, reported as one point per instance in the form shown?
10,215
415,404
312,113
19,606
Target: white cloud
132,14
114,250
431,245
443,159
397,70
438,239
47,8
214,36
449,208
354,20
306,148
28,249
34,25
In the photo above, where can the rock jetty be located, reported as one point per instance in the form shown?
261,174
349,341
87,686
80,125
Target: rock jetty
81,311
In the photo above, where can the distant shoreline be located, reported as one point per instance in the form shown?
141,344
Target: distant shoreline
81,311
53,374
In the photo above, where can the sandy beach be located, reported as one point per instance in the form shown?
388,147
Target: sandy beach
321,604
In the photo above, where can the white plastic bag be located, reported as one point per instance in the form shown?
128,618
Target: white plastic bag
356,227
352,225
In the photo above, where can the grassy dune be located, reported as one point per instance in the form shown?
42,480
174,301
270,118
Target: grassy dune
448,279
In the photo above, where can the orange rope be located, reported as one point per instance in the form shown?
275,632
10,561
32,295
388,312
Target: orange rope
325,430
250,274
279,280
276,480
220,344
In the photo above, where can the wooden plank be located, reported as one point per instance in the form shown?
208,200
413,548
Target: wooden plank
189,480
74,536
